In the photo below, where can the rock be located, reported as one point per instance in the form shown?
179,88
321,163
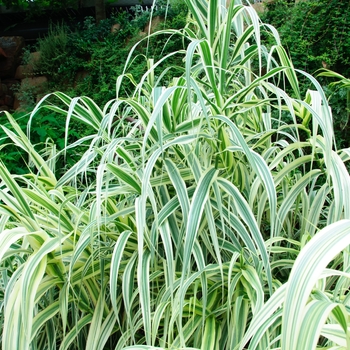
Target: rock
4,108
8,100
2,52
16,103
38,83
115,28
154,24
23,71
3,89
27,70
39,98
8,86
259,7
80,76
34,58
11,48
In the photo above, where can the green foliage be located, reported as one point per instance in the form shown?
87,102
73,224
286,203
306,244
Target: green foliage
339,98
48,126
194,219
315,34
37,4
88,59
26,94
54,51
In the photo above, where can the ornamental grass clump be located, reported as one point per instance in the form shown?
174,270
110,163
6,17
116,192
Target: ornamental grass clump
197,217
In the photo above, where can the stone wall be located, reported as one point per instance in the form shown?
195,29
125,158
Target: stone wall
10,52
14,76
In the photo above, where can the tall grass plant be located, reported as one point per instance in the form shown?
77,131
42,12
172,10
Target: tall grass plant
195,219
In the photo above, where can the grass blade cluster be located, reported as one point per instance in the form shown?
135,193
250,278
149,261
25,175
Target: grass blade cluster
209,212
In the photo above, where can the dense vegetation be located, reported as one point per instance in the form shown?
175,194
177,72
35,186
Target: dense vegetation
85,60
208,210
315,34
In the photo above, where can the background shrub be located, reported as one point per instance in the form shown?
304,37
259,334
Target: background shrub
86,60
316,35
